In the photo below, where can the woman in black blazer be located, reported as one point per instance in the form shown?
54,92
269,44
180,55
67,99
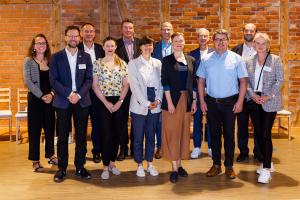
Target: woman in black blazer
179,102
40,111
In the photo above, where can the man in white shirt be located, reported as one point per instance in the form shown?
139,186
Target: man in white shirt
246,50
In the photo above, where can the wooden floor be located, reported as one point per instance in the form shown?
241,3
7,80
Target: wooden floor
18,182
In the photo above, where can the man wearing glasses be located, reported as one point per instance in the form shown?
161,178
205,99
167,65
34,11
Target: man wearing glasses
224,74
71,79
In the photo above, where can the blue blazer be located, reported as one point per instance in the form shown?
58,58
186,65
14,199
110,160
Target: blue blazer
196,54
61,79
157,52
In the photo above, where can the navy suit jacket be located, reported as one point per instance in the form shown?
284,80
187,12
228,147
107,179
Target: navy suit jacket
121,50
238,49
157,52
196,54
61,79
98,50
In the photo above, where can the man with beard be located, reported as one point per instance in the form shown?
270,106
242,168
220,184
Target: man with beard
71,78
246,50
224,75
96,51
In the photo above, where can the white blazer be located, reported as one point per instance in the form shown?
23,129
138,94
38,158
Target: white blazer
139,100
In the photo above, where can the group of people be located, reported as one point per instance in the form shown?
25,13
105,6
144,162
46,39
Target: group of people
162,88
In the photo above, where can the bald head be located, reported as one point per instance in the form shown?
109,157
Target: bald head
203,38
249,32
166,31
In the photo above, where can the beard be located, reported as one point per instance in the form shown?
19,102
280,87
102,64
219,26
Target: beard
248,38
73,44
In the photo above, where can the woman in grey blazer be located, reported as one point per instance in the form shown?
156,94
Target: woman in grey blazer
40,111
144,77
264,98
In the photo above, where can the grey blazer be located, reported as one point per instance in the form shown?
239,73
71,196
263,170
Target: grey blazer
139,102
272,81
31,75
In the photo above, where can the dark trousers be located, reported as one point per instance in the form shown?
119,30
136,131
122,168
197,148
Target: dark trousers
95,134
80,116
243,134
111,129
124,139
144,125
40,116
158,132
221,119
263,122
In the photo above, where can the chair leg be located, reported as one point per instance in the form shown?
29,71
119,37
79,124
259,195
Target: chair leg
289,135
17,131
10,133
279,125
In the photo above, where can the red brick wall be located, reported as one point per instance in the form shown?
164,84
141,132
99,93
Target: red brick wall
19,22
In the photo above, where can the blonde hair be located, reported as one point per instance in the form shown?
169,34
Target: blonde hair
264,36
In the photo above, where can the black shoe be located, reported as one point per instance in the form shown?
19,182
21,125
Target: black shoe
122,155
182,172
96,158
258,157
60,176
174,177
242,158
83,173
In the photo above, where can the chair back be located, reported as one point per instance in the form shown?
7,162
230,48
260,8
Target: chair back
22,99
5,99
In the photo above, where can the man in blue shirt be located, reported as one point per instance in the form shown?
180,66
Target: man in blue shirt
224,74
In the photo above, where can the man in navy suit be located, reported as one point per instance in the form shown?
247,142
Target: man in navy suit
71,79
127,49
200,52
96,51
162,48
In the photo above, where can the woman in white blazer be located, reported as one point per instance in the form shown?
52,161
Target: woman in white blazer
144,75
264,98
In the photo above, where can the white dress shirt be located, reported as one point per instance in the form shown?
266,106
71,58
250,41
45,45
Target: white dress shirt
72,62
90,51
147,72
248,52
258,69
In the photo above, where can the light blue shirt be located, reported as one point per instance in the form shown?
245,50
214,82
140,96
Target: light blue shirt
221,73
166,49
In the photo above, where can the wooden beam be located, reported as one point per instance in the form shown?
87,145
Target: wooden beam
25,1
104,30
56,26
123,9
284,32
294,56
224,14
164,10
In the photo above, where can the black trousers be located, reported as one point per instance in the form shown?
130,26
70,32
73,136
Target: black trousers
263,122
40,116
243,133
111,129
80,116
95,134
221,119
124,139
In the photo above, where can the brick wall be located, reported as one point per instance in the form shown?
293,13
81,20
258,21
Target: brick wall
19,22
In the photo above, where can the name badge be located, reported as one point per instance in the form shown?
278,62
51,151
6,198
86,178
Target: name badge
82,66
267,69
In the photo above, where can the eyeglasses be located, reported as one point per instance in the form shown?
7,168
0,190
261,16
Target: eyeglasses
220,39
73,36
40,43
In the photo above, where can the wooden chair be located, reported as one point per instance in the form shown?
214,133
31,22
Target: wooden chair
284,114
22,110
5,107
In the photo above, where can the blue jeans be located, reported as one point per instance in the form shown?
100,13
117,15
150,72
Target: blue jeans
158,132
144,125
198,133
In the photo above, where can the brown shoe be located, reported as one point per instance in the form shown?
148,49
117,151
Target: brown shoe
158,154
230,173
214,171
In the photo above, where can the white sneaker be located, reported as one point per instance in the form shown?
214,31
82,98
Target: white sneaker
114,170
105,175
140,171
196,153
264,176
153,172
272,169
209,152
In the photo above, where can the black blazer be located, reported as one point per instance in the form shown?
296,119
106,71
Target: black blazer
98,50
121,50
170,77
238,49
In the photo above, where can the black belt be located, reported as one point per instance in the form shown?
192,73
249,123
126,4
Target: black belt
223,100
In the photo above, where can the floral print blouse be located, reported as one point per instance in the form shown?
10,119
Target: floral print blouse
110,80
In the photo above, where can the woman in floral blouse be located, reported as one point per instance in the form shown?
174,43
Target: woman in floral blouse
110,85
